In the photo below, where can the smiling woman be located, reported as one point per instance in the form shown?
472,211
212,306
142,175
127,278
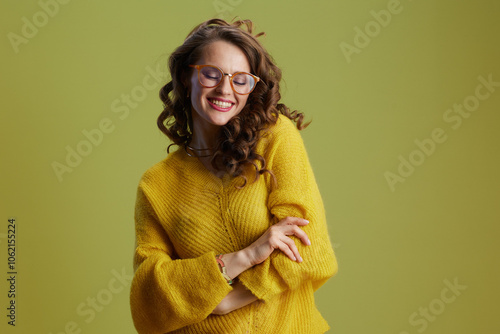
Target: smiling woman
231,234
215,106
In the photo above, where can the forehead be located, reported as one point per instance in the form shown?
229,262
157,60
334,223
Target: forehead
225,55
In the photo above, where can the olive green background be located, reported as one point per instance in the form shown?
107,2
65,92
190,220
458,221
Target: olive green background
397,247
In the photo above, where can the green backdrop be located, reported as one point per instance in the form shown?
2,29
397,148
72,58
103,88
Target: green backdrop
404,98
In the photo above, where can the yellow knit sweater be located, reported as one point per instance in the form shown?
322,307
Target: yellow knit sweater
185,215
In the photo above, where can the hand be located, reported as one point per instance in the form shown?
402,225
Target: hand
276,237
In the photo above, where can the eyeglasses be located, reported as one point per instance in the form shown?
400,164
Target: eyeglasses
210,76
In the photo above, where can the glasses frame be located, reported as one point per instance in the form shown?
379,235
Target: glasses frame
199,67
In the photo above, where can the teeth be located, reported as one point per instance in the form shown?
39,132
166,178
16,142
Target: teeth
221,104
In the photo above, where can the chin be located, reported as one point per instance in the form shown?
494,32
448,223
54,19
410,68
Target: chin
221,120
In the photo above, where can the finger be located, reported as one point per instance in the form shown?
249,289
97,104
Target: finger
298,232
302,235
285,248
292,247
294,221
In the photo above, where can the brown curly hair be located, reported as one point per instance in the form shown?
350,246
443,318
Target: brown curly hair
235,149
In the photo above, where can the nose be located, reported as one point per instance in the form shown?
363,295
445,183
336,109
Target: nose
225,86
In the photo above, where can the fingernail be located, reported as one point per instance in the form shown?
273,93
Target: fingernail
308,242
294,258
307,221
300,259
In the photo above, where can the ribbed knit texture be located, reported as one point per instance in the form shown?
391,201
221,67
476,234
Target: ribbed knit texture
185,215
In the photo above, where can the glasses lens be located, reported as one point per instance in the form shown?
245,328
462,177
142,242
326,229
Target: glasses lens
210,76
243,83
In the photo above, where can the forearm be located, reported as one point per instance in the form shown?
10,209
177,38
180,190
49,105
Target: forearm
275,239
237,298
240,296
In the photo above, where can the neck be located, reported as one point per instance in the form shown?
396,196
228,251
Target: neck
204,137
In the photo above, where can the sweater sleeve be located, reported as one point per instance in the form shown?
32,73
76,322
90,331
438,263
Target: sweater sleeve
168,293
296,195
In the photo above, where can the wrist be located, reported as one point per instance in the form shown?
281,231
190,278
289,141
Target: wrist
237,262
245,258
223,269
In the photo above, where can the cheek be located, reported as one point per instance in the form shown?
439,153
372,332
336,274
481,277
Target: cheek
195,87
242,101
196,95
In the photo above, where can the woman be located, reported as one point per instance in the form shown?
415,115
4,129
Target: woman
231,234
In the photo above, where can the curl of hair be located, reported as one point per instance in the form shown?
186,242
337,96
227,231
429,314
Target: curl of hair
235,149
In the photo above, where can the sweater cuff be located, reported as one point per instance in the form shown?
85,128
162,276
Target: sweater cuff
262,280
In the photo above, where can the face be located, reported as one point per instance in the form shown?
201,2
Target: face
210,105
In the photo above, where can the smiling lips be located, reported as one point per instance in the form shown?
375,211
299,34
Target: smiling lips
220,105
